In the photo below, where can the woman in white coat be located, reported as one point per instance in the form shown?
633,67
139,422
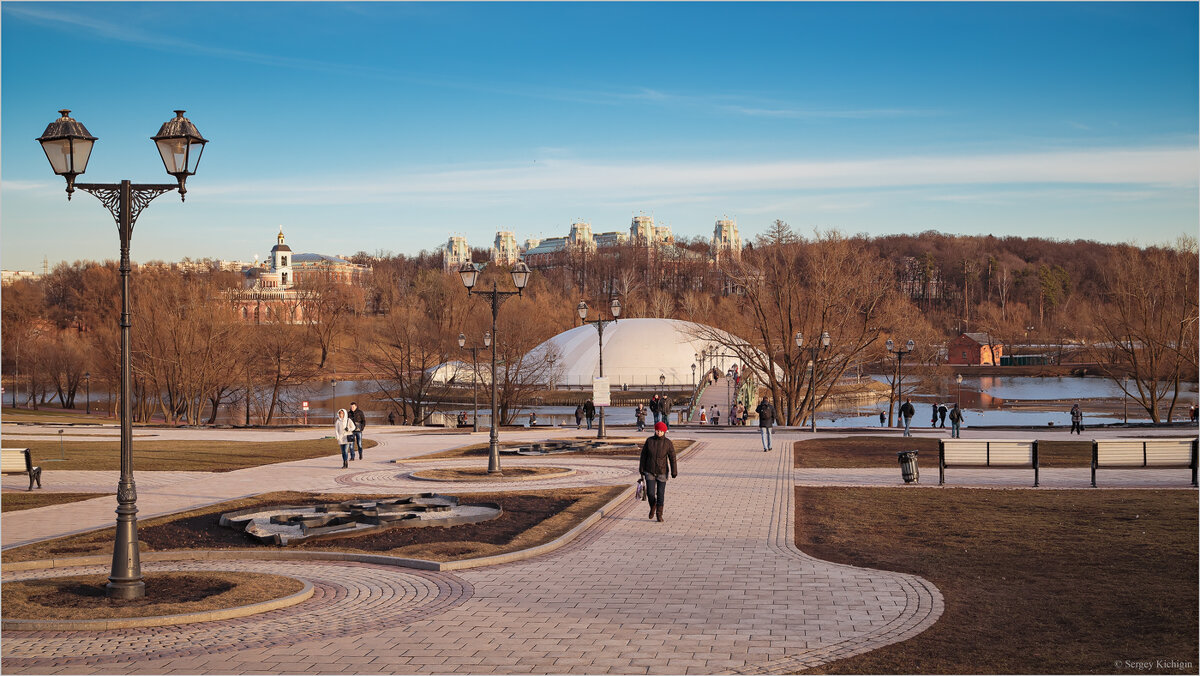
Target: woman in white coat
343,429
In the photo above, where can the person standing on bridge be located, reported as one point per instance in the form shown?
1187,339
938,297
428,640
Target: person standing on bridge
658,455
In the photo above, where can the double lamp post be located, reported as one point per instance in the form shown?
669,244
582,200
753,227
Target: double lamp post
891,347
615,309
814,351
474,349
520,276
68,146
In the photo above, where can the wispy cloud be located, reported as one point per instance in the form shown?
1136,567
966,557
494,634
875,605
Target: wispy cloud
1087,170
847,114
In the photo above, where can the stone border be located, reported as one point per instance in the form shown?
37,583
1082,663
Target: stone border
565,471
163,620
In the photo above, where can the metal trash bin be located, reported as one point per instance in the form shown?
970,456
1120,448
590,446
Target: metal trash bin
908,466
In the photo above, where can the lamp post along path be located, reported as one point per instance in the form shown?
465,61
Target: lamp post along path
68,146
520,276
891,347
615,309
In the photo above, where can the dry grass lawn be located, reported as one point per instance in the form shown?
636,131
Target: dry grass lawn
530,518
872,451
82,597
1034,581
15,502
164,455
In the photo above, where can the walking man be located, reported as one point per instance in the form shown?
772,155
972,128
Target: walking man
658,454
654,408
766,418
906,413
360,423
1076,419
942,415
956,418
589,412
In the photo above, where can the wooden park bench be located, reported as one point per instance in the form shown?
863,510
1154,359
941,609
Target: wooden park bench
1139,453
1004,453
19,461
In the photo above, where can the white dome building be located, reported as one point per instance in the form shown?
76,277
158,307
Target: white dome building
636,353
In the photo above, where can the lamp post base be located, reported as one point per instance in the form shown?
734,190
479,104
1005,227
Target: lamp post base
126,590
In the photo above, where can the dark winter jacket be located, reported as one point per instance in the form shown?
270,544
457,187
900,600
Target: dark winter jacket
956,415
907,410
359,419
657,452
766,414
589,409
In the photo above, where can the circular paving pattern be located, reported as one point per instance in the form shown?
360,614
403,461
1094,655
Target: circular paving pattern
348,598
477,474
587,472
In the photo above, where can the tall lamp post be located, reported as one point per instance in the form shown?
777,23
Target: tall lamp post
891,347
614,308
814,350
487,342
958,379
87,379
68,146
520,276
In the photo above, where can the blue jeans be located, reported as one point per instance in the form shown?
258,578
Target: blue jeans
589,423
655,490
765,433
907,422
954,424
358,442
346,447
656,417
641,424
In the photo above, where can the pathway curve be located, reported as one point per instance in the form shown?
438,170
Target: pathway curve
716,588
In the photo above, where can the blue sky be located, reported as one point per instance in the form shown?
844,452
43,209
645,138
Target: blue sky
390,126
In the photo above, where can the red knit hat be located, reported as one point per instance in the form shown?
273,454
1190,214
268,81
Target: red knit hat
660,427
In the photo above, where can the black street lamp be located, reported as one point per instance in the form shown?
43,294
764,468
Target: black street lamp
87,379
487,342
68,146
814,350
958,379
614,308
891,347
520,276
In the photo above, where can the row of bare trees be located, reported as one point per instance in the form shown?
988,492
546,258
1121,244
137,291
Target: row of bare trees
1133,309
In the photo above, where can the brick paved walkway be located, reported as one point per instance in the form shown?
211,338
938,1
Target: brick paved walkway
717,588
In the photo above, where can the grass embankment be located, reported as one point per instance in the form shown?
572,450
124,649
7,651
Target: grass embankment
176,455
15,502
1034,581
855,452
84,597
530,518
54,416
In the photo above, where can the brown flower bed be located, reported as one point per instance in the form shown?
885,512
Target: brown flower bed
530,518
858,452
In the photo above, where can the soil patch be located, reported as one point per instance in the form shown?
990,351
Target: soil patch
633,449
481,474
530,518
15,502
1034,581
83,597
856,452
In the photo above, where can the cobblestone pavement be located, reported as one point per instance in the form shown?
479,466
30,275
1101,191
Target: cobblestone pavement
718,587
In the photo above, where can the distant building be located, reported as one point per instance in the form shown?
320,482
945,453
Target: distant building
581,237
270,289
725,240
10,276
641,231
455,253
505,252
974,349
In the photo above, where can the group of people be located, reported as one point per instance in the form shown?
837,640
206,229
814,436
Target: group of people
939,414
585,410
712,415
348,430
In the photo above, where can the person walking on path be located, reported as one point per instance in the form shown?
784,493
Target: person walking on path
578,416
703,416
766,418
716,415
343,431
360,423
956,418
882,419
657,453
933,416
1076,419
654,408
640,414
942,415
906,414
589,412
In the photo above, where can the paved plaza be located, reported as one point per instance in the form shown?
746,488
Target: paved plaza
718,588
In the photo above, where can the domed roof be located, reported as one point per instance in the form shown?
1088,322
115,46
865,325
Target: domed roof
636,352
